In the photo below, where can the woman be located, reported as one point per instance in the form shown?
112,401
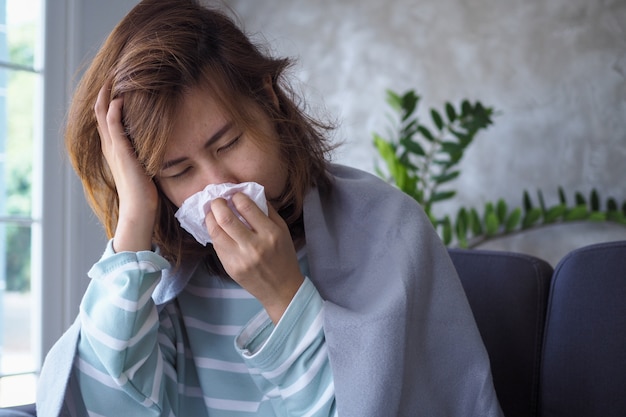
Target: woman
340,301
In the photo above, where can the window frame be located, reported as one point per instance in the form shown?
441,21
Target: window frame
70,237
33,220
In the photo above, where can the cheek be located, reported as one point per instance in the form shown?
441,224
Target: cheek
177,194
277,179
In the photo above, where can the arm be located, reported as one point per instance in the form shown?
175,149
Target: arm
289,361
119,322
262,259
119,358
138,197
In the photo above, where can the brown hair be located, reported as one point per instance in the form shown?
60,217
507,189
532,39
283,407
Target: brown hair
159,51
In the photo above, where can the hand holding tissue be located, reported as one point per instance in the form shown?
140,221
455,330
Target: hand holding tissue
194,209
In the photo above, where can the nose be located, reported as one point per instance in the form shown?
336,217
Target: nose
217,173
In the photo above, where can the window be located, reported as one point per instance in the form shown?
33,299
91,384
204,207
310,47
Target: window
20,140
49,238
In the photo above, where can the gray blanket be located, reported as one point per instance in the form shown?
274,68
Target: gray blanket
401,337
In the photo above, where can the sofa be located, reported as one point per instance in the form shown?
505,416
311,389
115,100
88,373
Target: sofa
556,337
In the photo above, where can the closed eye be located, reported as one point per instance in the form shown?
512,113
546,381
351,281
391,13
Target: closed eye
181,173
229,145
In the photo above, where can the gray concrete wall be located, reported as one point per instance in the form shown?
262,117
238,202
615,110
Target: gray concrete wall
555,69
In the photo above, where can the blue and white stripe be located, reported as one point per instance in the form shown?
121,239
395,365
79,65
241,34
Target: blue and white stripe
211,352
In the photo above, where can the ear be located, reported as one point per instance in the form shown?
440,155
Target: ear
269,87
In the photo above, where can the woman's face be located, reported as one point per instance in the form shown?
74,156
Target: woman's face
207,148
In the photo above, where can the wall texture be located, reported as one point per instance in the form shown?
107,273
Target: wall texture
554,69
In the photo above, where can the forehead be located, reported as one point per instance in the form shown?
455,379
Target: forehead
197,116
202,111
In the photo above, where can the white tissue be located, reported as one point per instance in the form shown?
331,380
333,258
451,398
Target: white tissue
194,209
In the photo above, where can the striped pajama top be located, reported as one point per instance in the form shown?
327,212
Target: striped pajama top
212,351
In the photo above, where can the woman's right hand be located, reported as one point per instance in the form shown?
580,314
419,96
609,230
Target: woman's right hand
138,197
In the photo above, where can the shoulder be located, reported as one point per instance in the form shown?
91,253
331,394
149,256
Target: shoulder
375,231
346,178
365,195
361,217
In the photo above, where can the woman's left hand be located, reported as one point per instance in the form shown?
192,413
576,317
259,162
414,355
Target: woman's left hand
263,259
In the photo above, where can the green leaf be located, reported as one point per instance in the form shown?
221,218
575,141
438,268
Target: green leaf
616,216
466,108
409,130
412,146
443,195
513,220
611,204
594,200
488,210
542,203
418,195
531,217
396,169
562,196
464,138
469,221
477,228
463,244
394,100
501,210
410,188
462,215
447,231
554,213
424,131
492,224
450,112
436,119
461,226
440,179
385,149
452,148
597,216
454,159
405,160
577,213
409,103
580,199
401,178
528,205
443,162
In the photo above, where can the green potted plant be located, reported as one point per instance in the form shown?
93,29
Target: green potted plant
423,160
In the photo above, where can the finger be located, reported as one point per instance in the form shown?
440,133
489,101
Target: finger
249,210
103,99
278,220
109,114
114,137
275,216
101,108
227,224
214,229
114,118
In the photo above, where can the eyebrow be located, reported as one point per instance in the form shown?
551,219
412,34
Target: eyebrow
214,138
